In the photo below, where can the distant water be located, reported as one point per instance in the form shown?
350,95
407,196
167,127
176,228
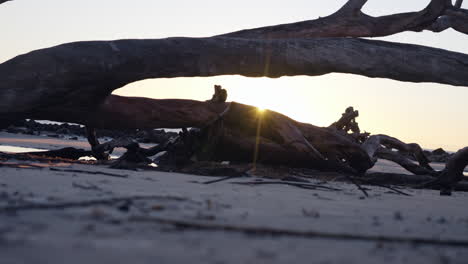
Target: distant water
176,130
15,149
48,122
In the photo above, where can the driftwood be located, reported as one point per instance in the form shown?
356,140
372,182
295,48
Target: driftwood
241,133
73,83
233,137
296,184
65,153
455,18
68,82
381,146
416,181
452,173
347,125
91,202
83,85
90,172
232,129
350,21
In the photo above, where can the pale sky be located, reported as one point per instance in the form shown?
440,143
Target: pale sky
433,115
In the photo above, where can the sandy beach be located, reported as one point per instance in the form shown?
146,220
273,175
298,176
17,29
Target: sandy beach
59,215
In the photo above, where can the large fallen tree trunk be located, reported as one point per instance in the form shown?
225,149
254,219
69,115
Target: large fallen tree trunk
241,133
75,78
282,139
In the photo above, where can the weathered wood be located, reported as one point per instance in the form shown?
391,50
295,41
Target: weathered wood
94,142
73,79
219,96
65,153
381,146
452,173
408,180
73,82
409,165
67,82
350,21
347,125
452,18
454,168
347,121
229,132
284,141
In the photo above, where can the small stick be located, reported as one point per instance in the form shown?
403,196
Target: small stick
357,184
300,185
391,188
244,174
90,172
224,179
386,186
86,203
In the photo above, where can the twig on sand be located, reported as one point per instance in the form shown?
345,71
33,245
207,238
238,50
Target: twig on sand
391,188
296,184
268,231
371,182
77,204
90,172
357,184
221,179
226,178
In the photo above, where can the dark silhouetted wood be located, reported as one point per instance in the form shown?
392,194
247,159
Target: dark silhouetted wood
73,83
381,146
65,153
350,21
90,71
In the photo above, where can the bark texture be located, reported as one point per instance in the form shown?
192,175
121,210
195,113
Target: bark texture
350,21
230,131
73,79
453,18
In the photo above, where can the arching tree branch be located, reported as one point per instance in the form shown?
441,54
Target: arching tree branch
382,147
352,7
349,21
453,18
68,78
